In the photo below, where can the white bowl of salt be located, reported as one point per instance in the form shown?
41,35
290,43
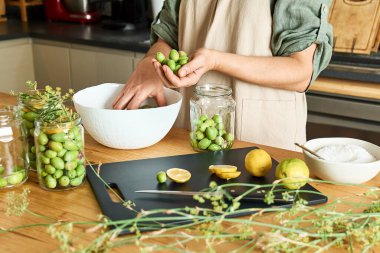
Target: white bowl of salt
345,160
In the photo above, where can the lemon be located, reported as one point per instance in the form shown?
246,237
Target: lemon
258,162
294,173
222,168
178,175
228,175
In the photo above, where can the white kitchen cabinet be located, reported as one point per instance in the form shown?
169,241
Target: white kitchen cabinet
95,65
52,63
16,64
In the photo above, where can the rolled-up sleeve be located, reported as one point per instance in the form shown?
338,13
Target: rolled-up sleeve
297,24
165,25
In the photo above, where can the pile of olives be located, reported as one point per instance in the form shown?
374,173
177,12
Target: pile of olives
175,61
8,179
210,134
60,158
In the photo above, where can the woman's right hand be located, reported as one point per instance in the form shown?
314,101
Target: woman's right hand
143,83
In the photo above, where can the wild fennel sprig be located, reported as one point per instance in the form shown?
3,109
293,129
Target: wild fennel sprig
341,223
48,103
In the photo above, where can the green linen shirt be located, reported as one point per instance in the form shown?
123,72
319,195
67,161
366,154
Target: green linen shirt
296,24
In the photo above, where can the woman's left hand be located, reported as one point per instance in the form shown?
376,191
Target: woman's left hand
202,60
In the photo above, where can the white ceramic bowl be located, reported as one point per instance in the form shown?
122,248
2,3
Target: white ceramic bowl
124,129
354,173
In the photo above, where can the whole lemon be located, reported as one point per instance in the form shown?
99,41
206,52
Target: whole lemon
294,173
258,162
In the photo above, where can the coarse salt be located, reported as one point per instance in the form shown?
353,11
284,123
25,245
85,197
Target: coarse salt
346,153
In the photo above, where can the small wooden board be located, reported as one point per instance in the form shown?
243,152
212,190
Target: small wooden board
356,24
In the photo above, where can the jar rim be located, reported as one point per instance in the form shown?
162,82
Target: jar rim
213,90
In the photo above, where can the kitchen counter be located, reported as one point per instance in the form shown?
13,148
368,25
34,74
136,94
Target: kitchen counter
86,34
80,204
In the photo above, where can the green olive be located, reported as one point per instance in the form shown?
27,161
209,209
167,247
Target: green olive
171,65
214,147
161,177
42,148
71,165
50,182
44,159
210,123
30,116
15,178
71,155
28,124
71,174
58,163
203,117
219,140
56,146
59,137
211,133
3,182
160,57
50,153
76,181
2,169
182,54
70,145
81,170
58,174
50,169
229,137
42,139
217,118
64,181
203,127
61,153
174,55
199,135
204,143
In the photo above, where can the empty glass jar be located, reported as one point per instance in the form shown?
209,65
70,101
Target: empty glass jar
14,162
212,116
60,154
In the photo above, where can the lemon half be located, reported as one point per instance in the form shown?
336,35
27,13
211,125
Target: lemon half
178,175
222,168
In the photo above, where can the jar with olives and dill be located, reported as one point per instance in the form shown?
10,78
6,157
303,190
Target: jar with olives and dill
30,105
212,118
60,153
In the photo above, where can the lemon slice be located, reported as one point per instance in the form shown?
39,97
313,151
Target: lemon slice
228,175
178,175
222,168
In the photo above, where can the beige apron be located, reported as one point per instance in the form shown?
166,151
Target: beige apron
264,115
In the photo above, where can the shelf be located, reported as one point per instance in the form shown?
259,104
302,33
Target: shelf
23,4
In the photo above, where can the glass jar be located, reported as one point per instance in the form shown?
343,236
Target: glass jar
29,108
60,154
212,118
14,162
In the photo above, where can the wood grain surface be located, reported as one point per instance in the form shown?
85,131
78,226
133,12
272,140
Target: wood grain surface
80,204
347,87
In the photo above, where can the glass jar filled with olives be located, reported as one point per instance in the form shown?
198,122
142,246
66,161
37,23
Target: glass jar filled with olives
212,117
60,154
14,161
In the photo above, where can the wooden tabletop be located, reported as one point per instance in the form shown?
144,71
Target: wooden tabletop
80,204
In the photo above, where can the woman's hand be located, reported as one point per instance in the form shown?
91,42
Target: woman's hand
189,74
142,84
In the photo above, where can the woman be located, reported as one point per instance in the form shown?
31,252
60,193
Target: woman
267,51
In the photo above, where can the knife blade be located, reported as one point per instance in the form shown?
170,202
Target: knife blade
251,197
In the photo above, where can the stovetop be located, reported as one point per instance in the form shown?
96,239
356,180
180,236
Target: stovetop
354,67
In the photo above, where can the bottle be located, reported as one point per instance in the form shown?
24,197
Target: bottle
60,154
212,118
14,161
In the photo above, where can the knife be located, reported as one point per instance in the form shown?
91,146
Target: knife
257,197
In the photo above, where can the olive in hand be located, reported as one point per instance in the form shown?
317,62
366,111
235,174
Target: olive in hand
175,61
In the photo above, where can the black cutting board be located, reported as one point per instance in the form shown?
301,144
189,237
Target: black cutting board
131,176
